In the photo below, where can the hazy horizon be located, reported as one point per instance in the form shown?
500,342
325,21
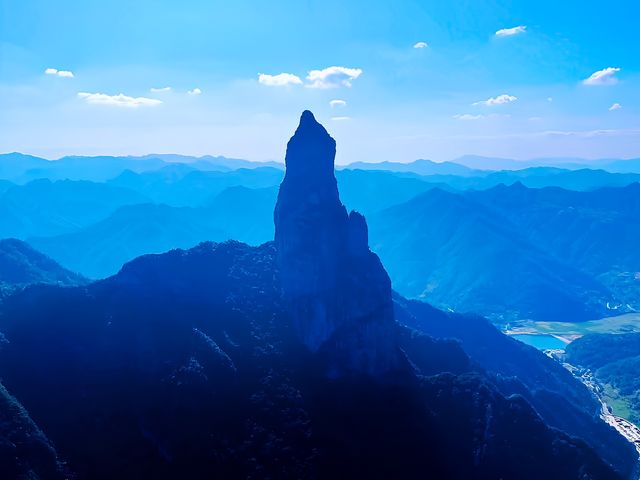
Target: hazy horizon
556,160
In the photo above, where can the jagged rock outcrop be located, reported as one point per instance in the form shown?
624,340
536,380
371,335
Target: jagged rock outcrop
336,289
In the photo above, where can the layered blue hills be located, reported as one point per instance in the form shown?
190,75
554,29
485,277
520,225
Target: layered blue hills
300,355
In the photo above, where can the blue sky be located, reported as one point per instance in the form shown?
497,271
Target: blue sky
520,93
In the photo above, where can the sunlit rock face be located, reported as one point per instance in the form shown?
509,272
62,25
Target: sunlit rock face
336,289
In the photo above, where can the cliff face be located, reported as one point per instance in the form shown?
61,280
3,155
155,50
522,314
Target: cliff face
336,290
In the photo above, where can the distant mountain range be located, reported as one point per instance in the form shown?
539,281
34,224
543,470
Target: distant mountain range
426,218
292,359
495,163
420,167
515,252
21,168
43,207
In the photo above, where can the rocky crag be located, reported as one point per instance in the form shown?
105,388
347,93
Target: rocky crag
336,289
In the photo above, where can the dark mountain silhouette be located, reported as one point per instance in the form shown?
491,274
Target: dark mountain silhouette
336,290
20,264
518,369
288,360
25,452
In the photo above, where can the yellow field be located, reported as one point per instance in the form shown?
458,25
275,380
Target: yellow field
569,331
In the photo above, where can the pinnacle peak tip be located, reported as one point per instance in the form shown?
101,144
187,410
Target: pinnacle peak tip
307,115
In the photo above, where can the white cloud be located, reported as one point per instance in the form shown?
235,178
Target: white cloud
509,32
339,119
549,99
279,80
468,116
421,45
195,91
615,106
499,100
59,73
119,100
605,76
332,77
337,103
160,90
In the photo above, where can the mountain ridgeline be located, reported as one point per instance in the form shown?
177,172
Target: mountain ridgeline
22,265
292,359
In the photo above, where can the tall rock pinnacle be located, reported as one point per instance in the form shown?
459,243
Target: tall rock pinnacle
336,289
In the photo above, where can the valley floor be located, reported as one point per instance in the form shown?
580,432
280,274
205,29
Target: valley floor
549,337
569,331
627,429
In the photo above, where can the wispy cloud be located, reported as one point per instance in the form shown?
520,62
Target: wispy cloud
340,119
605,76
471,117
119,100
615,106
421,45
337,103
195,91
468,116
160,90
593,133
279,80
499,100
632,132
332,77
59,73
509,32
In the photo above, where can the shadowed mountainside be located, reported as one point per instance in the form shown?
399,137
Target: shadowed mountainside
20,264
288,360
25,452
